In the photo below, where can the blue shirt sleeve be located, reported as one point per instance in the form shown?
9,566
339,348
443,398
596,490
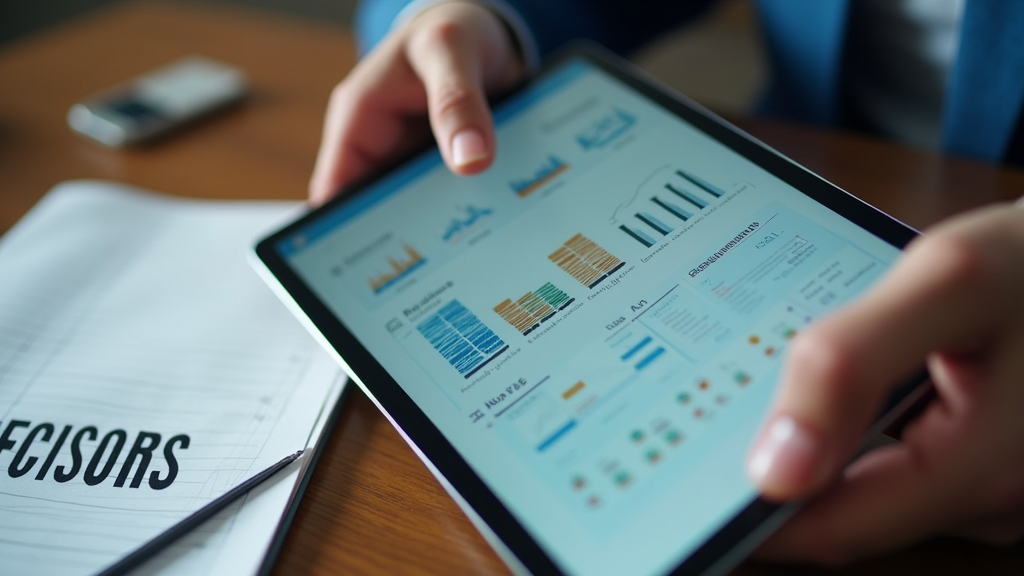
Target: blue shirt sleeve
618,25
373,20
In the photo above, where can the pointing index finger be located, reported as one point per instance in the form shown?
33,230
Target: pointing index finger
448,59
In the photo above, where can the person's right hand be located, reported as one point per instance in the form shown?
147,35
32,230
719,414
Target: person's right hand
441,63
954,302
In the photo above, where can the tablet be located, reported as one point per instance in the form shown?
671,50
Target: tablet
582,341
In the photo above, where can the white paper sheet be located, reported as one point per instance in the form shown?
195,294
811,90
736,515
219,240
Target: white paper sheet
125,315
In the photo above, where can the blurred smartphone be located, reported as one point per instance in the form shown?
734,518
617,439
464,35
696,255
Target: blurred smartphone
158,102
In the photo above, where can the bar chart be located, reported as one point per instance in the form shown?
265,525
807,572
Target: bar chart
527,313
585,261
702,184
681,197
461,338
606,129
550,170
465,222
398,268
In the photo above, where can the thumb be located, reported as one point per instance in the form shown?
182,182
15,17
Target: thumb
940,296
449,60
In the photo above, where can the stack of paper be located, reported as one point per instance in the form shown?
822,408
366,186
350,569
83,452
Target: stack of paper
145,370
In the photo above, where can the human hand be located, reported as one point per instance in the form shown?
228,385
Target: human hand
442,63
956,302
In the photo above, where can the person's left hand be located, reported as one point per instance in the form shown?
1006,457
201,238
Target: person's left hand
954,301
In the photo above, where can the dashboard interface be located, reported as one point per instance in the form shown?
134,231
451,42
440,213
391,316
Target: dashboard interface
595,323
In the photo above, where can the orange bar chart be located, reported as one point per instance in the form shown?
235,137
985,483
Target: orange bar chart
585,261
528,312
399,268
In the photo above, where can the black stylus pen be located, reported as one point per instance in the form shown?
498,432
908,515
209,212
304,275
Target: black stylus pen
149,549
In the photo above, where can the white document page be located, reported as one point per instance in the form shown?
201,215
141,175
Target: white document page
145,370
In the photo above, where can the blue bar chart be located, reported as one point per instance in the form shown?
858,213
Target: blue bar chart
461,338
546,173
683,195
469,218
606,130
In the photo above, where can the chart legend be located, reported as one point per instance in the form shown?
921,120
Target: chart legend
585,261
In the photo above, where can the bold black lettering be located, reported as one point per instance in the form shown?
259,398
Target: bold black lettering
5,439
53,452
15,470
138,450
91,477
76,454
172,463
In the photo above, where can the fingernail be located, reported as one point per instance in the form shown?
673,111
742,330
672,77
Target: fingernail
786,458
468,146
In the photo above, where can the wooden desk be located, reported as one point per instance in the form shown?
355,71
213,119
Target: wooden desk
371,507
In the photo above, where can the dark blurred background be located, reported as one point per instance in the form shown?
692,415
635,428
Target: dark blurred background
718,61
20,18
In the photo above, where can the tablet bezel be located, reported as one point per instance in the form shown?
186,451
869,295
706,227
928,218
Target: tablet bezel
735,538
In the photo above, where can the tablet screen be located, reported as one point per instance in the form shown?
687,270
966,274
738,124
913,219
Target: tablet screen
596,323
